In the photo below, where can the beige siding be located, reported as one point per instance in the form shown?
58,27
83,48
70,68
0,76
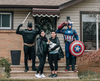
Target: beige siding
20,16
74,13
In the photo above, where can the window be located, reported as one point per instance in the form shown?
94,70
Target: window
5,20
90,30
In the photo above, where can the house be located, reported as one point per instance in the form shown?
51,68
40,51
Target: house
84,13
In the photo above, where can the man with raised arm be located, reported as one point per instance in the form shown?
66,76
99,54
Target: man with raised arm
69,35
29,36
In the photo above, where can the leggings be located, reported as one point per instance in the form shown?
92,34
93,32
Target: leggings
42,62
51,58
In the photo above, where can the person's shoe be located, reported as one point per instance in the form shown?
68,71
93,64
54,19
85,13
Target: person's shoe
42,75
55,75
34,69
37,75
75,70
26,70
51,75
67,70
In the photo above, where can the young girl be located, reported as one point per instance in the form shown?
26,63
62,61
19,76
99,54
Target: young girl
42,51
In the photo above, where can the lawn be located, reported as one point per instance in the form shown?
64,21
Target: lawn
43,80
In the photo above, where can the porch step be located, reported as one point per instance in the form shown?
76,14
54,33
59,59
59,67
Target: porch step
61,67
17,72
47,73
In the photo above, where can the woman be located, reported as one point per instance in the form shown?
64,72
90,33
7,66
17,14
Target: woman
41,53
54,54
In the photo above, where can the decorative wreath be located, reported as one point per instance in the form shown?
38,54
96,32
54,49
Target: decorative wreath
46,24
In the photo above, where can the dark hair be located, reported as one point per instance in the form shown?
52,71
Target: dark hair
41,31
43,38
53,31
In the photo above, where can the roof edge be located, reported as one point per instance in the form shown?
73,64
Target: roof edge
67,4
30,6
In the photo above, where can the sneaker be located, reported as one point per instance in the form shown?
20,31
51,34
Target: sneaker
74,70
55,75
67,70
26,69
38,75
42,75
51,75
34,69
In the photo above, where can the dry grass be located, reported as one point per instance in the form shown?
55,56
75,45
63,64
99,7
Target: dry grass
43,80
3,75
89,75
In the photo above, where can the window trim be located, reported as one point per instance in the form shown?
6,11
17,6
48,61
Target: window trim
11,21
97,31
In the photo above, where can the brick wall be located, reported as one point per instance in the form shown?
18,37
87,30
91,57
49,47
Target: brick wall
9,40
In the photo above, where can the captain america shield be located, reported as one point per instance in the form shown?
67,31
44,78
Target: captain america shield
76,48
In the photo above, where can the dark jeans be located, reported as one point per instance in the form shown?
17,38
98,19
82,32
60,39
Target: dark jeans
42,62
29,51
70,59
51,58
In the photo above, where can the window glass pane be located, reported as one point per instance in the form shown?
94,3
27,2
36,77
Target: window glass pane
99,28
89,31
0,20
5,20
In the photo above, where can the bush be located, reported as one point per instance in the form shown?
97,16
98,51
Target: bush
4,62
91,57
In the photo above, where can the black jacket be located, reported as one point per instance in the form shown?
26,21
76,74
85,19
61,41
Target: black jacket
28,35
56,40
40,47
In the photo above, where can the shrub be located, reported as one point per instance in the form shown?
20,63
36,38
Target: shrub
4,62
91,57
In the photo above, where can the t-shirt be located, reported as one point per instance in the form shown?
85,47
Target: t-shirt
53,52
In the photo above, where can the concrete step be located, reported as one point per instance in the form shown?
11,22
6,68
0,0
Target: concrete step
17,72
30,69
46,73
61,67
